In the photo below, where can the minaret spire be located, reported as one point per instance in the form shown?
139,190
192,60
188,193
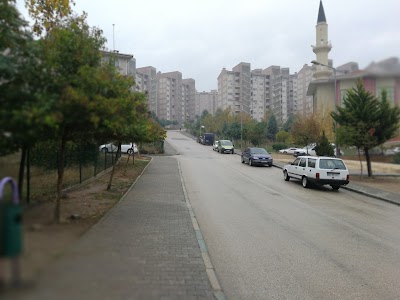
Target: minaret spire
322,45
321,14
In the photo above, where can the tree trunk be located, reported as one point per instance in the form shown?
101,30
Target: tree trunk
368,162
359,158
113,169
60,178
21,171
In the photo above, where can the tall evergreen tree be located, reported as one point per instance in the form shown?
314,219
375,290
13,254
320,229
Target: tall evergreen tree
371,121
272,127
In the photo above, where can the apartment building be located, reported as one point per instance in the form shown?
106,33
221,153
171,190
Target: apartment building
146,82
281,92
304,105
234,89
188,99
206,101
260,94
169,96
125,63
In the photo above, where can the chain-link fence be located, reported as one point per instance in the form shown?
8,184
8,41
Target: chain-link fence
41,169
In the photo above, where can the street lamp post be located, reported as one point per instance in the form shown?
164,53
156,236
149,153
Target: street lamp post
314,62
202,126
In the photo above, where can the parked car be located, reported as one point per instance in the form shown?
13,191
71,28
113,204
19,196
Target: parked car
125,148
215,146
225,146
256,156
305,152
318,170
289,150
207,138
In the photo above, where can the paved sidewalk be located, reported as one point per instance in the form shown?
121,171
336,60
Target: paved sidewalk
144,248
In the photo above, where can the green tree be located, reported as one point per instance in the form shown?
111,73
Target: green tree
368,120
47,14
272,127
324,147
305,130
289,123
20,80
76,94
283,137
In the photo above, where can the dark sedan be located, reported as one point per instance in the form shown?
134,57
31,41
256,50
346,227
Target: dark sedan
256,156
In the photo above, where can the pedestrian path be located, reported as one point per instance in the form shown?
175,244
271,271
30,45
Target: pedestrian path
144,248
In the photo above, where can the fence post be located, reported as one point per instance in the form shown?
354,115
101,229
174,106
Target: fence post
28,176
95,162
105,160
80,165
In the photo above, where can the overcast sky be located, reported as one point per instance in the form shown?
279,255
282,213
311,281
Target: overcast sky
200,37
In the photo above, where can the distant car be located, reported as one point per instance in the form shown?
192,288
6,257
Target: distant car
215,146
396,149
305,152
289,150
318,170
225,146
125,148
208,139
256,156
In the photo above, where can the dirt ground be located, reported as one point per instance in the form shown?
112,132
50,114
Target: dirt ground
44,240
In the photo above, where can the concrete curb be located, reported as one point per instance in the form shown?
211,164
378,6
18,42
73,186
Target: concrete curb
218,293
358,191
370,195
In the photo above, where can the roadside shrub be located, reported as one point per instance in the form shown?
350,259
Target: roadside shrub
324,148
396,158
279,146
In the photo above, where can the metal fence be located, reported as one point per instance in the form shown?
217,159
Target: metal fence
41,172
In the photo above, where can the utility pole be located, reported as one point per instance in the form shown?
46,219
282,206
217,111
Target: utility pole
113,38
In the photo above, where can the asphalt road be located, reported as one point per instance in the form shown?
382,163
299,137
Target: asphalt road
271,239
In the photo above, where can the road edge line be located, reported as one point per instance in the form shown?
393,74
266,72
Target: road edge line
210,270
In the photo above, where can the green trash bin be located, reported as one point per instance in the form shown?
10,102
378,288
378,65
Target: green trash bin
10,222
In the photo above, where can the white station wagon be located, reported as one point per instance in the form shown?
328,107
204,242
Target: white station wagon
318,171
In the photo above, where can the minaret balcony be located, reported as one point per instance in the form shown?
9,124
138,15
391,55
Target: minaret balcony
322,48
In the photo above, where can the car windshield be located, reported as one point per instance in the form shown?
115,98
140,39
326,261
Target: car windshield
226,143
331,164
258,151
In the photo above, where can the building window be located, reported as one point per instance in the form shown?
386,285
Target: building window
389,94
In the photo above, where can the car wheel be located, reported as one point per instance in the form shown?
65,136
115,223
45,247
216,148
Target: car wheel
130,151
304,182
104,150
232,152
250,162
242,160
335,187
284,152
286,176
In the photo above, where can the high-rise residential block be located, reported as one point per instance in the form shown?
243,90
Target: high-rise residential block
146,82
169,96
234,89
188,99
281,90
304,105
260,94
206,101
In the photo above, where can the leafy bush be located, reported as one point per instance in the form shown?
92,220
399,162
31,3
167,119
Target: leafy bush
396,158
279,146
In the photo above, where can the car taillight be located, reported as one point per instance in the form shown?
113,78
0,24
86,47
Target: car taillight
317,176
